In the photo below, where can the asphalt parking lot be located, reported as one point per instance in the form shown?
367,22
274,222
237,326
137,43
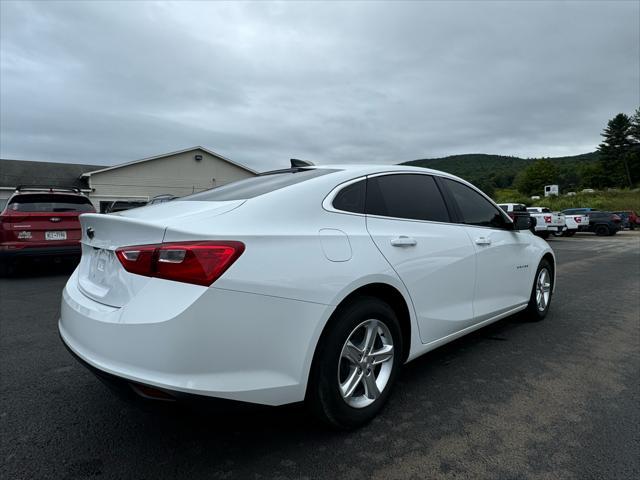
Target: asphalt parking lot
556,399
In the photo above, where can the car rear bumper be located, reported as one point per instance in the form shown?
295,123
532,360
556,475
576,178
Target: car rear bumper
50,251
224,344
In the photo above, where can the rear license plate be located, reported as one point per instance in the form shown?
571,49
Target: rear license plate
59,235
99,262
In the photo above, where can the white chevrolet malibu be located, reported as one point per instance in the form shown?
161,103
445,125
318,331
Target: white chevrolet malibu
311,283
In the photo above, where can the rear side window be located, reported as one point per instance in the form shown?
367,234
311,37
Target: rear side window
50,203
410,196
474,208
255,186
351,198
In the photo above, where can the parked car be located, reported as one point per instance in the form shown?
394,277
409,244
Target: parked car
604,223
41,221
310,283
600,223
574,223
547,222
630,219
167,197
122,205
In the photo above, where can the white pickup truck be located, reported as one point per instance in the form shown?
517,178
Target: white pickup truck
574,223
547,222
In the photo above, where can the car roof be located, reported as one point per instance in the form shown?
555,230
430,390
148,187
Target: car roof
379,168
349,170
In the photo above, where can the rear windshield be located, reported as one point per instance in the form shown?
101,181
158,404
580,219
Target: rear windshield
50,203
254,186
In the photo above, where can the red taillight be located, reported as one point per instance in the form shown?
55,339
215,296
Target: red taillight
547,219
578,219
201,263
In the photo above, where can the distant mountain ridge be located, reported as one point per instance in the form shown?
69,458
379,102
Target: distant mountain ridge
497,171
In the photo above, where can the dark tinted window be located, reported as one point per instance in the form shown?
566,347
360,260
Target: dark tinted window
576,211
351,198
50,203
254,186
474,208
416,197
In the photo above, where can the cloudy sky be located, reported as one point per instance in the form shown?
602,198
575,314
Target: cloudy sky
107,82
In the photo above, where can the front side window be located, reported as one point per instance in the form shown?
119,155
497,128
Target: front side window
474,208
410,196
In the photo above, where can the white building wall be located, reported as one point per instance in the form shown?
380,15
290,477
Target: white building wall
178,174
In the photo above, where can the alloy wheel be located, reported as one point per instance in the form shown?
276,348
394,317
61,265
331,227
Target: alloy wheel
366,362
543,289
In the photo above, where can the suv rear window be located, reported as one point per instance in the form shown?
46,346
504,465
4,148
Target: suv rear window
255,186
37,202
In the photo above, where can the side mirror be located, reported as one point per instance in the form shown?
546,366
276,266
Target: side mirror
521,221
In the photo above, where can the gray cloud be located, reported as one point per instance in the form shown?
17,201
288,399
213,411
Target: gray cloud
106,82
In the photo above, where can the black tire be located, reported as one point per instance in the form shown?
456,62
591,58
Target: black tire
569,233
544,235
323,392
533,312
560,234
602,230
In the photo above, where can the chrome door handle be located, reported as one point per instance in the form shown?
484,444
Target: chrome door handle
404,241
483,241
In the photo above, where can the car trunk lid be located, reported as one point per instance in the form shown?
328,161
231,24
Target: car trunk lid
101,277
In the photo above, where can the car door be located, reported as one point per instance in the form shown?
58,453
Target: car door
409,222
503,256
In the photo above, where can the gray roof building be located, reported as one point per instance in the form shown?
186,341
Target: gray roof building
176,173
21,172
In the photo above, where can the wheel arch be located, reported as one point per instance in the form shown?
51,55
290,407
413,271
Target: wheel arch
548,256
385,292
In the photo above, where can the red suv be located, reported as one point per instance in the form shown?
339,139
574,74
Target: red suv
39,221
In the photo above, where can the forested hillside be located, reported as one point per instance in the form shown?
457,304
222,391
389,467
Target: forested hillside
496,171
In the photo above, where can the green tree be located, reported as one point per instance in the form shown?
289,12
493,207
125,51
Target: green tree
615,149
531,180
633,157
592,175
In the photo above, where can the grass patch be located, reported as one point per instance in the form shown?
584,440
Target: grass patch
601,200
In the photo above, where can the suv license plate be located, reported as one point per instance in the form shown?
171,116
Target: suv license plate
60,235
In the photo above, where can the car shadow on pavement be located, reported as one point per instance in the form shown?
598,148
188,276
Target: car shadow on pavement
214,417
211,438
41,267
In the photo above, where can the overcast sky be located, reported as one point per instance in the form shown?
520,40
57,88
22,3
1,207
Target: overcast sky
108,82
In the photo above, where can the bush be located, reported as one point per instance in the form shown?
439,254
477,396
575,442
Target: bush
601,200
511,195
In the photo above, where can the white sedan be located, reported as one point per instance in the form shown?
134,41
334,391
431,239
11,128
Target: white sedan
310,283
